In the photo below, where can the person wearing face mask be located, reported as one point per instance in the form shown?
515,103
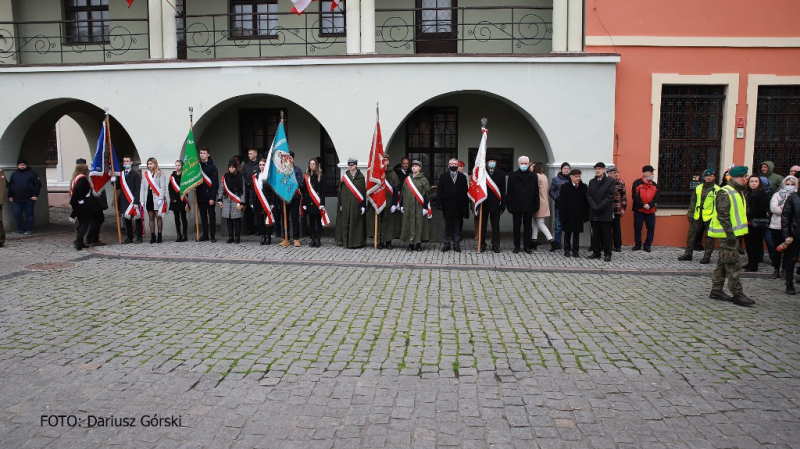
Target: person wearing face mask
494,205
701,210
558,180
793,171
776,204
600,196
645,197
128,200
522,200
728,225
452,200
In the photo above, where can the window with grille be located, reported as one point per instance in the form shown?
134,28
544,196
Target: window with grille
330,163
332,23
87,21
254,19
52,147
777,128
432,138
436,16
257,128
690,138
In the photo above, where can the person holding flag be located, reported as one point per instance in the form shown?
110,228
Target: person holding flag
314,201
390,218
493,206
80,192
153,194
206,196
231,200
416,208
130,182
350,225
280,175
178,205
263,200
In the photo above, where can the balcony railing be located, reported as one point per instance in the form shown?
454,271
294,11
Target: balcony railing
56,42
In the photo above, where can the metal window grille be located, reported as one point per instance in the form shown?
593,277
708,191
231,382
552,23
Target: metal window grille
690,139
52,147
432,138
257,128
777,128
87,21
254,19
332,23
330,164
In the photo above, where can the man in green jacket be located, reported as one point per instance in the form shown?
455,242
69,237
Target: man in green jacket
701,210
766,169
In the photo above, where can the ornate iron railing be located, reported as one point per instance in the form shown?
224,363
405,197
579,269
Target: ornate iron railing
216,36
476,29
51,42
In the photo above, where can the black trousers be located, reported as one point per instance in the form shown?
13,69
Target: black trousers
754,241
208,218
250,220
601,237
789,258
777,238
523,219
572,241
83,219
234,227
261,222
452,230
129,225
315,222
181,224
616,229
95,221
294,216
495,219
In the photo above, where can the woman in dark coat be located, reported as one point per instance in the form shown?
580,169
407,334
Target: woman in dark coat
314,178
573,210
177,205
757,210
271,199
80,200
231,200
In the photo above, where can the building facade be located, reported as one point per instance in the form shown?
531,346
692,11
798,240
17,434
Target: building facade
699,86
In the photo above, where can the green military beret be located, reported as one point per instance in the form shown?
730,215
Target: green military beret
709,172
739,170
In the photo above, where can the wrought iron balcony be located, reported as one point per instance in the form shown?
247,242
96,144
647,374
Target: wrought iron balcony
73,41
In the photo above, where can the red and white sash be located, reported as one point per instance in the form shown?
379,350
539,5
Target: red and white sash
388,186
263,200
493,187
132,212
162,210
206,179
74,183
177,190
234,197
315,198
419,197
352,187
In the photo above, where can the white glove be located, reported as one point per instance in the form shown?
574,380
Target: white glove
424,213
271,207
322,208
113,179
402,209
394,208
363,209
304,208
72,219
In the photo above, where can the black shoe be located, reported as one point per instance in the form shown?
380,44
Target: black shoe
138,239
388,245
78,246
203,238
742,300
496,249
263,240
159,239
152,238
528,251
607,258
618,250
445,248
482,248
705,260
698,248
535,246
776,274
418,247
213,240
516,250
411,247
553,246
127,240
790,290
575,253
646,249
567,252
685,257
230,239
237,240
179,239
749,269
594,256
457,248
636,248
380,245
720,295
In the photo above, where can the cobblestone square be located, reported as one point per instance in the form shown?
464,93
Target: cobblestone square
262,346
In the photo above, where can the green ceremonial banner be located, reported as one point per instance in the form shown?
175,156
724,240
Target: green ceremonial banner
192,173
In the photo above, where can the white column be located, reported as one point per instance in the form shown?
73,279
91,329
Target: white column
353,18
575,25
367,26
169,28
559,25
154,13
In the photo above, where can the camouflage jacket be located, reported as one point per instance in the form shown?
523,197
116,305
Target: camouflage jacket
723,205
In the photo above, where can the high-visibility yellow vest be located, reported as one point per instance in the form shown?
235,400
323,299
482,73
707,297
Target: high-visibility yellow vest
738,216
708,206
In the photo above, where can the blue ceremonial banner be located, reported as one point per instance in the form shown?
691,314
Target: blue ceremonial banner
104,165
280,167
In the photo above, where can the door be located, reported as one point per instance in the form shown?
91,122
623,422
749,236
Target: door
436,28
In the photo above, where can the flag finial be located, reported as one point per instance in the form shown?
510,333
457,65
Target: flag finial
106,110
191,113
281,116
377,110
484,121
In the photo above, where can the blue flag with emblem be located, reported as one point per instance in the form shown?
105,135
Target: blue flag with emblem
280,167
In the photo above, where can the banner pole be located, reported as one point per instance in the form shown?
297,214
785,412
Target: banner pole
285,225
113,186
375,240
480,228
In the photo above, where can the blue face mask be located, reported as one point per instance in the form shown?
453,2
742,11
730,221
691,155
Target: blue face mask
523,167
492,164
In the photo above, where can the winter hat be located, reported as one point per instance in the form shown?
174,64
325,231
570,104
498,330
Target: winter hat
22,160
647,168
599,165
575,171
232,163
565,164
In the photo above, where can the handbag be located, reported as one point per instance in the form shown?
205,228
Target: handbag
760,223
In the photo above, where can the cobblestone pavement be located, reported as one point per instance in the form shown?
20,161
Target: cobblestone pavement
427,349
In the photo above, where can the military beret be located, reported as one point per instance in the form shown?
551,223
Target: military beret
709,172
739,170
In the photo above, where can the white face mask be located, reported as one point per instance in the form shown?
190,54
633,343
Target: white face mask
791,189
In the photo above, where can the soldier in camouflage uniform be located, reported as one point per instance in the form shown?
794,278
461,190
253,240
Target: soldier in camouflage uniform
700,218
729,224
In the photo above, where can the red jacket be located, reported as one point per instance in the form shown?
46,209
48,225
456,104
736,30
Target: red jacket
645,192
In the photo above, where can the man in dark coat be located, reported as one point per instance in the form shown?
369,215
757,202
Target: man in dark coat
134,182
522,200
23,191
573,211
207,196
601,211
250,168
493,206
403,169
453,202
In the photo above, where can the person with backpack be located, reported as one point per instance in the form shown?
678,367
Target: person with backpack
645,197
